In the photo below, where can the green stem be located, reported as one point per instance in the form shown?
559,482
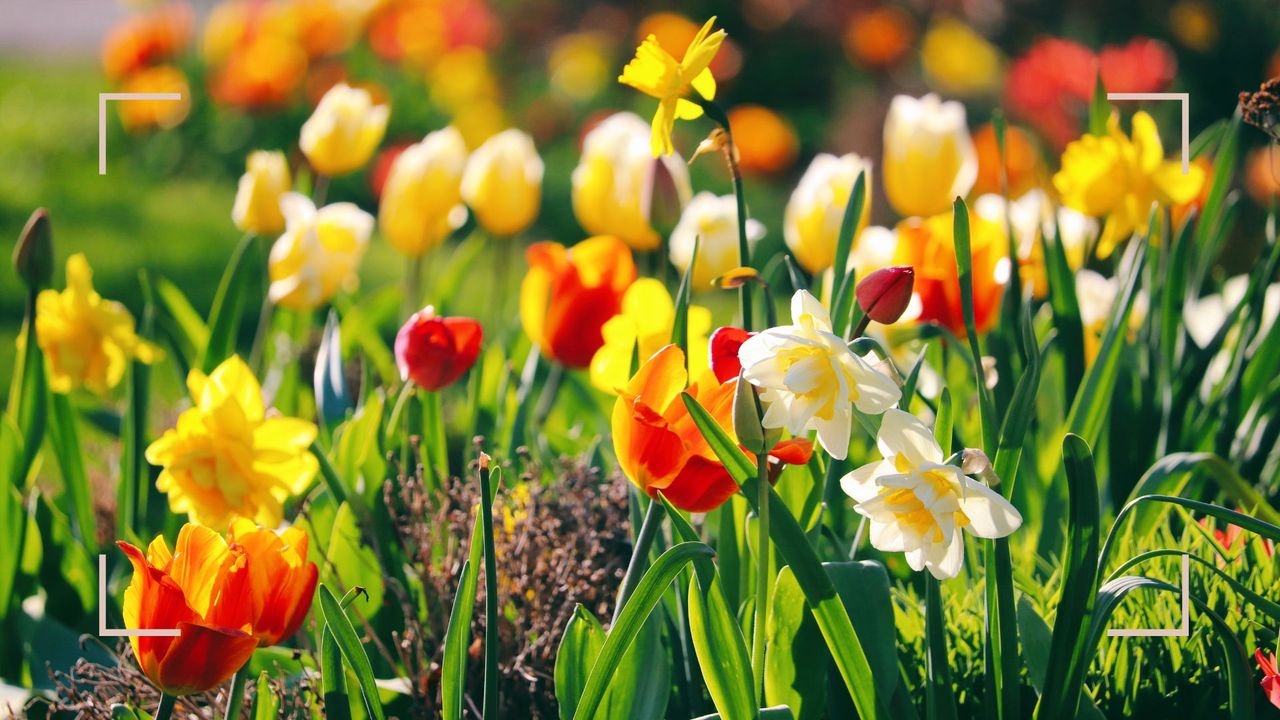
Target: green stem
639,556
165,709
435,440
762,574
263,328
320,189
489,709
717,114
412,286
236,699
548,397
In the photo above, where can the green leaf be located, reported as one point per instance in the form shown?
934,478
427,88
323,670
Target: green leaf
28,398
780,712
939,695
12,512
579,646
333,678
135,475
796,660
1180,473
843,282
1099,108
487,492
1036,638
181,322
266,706
1264,605
64,438
352,651
349,562
1065,306
1211,228
680,326
453,670
1246,522
228,305
964,267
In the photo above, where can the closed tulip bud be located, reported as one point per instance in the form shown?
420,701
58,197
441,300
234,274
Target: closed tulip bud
257,206
422,199
345,129
929,158
811,225
619,187
884,294
435,351
502,183
33,255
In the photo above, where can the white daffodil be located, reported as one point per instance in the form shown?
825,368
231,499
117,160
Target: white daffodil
917,504
810,379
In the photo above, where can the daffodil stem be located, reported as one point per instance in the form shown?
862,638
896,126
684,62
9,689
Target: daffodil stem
236,698
762,574
718,115
640,555
165,709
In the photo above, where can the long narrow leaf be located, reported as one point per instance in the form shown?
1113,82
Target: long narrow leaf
353,653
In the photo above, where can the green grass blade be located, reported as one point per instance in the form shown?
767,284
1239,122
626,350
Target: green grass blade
843,282
453,670
65,439
353,653
964,267
333,679
266,706
491,643
228,305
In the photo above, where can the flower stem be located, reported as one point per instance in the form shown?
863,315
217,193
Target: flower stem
165,710
319,189
547,399
412,286
236,698
490,707
718,115
762,574
639,556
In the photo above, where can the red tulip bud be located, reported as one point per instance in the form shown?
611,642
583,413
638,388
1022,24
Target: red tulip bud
724,352
435,351
884,294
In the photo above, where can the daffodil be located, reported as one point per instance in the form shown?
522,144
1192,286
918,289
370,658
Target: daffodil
642,328
87,340
918,504
653,71
811,380
226,457
1122,177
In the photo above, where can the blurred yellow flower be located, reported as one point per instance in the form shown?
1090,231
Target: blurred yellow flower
1121,177
422,199
502,183
713,222
257,206
1097,294
929,158
345,129
578,66
164,114
226,457
655,72
642,328
319,252
1032,217
86,339
618,182
811,223
958,60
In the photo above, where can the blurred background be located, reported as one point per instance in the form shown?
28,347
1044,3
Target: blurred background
799,77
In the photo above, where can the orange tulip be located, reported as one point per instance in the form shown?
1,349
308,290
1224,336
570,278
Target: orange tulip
282,581
569,294
928,245
202,588
146,39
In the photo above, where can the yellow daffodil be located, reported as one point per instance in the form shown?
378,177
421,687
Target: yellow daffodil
618,184
811,224
1121,177
713,222
643,327
653,71
422,200
1096,295
917,504
257,206
227,457
345,129
811,380
87,340
502,183
929,157
319,252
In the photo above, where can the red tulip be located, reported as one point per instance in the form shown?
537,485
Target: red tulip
884,294
435,351
1270,679
724,352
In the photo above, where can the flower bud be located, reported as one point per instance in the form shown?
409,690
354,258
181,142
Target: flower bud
435,351
33,255
884,294
746,417
502,183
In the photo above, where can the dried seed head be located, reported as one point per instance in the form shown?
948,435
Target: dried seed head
1262,108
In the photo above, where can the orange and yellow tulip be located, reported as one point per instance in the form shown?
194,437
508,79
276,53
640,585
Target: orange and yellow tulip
281,582
569,294
928,245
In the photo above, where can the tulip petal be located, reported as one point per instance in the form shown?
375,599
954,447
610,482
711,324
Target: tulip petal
203,658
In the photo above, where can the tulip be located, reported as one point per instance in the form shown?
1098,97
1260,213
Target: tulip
725,344
502,183
257,206
422,199
319,252
764,140
569,294
87,340
811,224
809,378
618,180
929,157
202,588
884,294
642,327
33,255
138,115
1270,678
1032,217
435,351
343,131
226,457
918,504
282,581
713,222
928,245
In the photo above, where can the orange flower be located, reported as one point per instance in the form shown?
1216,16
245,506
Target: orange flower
878,38
200,588
765,141
144,40
281,580
928,245
1262,174
569,294
145,114
1022,161
266,72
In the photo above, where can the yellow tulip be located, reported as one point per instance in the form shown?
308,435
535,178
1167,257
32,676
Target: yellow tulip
422,200
345,129
502,183
618,182
319,252
811,224
654,72
642,328
713,222
959,60
929,158
1033,217
257,206
1121,177
227,457
87,340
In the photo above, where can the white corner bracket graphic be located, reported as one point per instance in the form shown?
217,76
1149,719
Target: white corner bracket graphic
1185,99
103,630
102,117
1183,631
